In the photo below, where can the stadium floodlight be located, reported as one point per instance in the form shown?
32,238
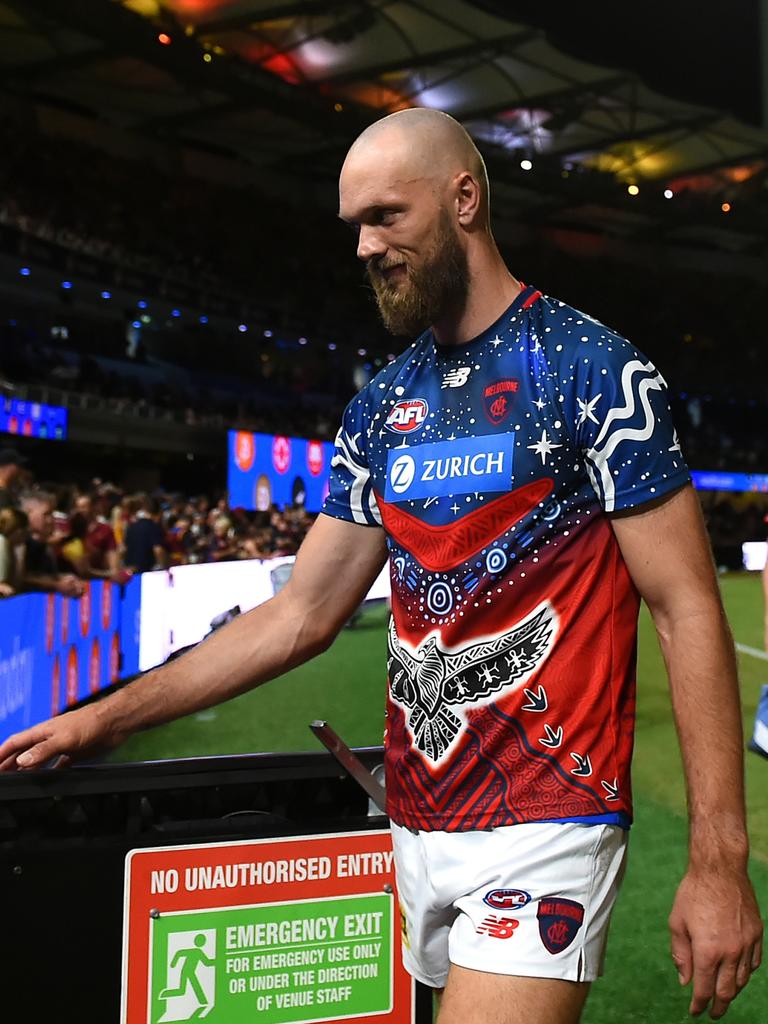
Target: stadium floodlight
362,352
332,346
175,312
142,303
302,341
25,271
66,285
106,295
633,190
136,324
668,193
242,328
267,333
203,319
526,165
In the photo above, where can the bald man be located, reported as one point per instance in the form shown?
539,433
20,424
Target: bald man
518,466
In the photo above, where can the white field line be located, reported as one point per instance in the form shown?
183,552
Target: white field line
754,652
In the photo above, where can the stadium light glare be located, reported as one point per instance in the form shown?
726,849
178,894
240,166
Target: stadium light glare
726,207
207,58
66,285
175,312
362,352
668,193
164,39
267,333
332,346
142,303
136,324
302,341
106,295
338,107
633,190
242,328
25,271
203,319
146,319
526,165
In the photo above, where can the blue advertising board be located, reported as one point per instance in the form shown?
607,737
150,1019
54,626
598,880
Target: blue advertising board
55,651
735,482
33,419
267,469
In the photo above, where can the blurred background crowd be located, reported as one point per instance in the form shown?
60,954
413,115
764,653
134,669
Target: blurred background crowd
53,537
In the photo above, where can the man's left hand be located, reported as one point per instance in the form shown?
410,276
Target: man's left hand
717,935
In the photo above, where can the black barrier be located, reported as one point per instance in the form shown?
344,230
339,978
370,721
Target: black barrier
65,836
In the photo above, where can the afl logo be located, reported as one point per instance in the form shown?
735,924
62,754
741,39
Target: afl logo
281,454
315,458
245,450
507,899
407,416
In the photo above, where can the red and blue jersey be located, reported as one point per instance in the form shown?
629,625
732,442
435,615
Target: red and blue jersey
512,641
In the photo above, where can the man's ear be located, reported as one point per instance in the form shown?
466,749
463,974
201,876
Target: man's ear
469,199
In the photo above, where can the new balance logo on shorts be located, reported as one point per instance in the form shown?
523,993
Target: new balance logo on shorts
559,920
497,927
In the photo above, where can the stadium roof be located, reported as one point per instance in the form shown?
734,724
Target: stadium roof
286,85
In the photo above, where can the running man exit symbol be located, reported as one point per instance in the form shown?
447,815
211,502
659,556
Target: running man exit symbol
190,982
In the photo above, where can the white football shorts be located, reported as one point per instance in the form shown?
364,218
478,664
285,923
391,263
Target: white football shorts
532,899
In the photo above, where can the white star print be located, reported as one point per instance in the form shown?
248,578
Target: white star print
455,508
539,403
587,410
544,447
497,341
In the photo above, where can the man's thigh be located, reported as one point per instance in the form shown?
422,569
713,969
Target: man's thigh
475,997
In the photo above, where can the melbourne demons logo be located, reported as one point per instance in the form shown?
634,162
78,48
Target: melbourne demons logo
430,681
497,400
407,416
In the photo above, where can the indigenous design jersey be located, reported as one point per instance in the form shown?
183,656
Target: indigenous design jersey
512,640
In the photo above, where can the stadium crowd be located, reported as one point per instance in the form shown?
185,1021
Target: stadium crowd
53,538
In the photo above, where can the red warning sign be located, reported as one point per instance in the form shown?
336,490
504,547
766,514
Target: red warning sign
283,931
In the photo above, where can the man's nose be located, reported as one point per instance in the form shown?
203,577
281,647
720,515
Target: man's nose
369,243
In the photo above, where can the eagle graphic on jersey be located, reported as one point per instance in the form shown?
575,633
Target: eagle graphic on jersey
428,680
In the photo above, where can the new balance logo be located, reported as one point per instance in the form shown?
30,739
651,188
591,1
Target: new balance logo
457,377
498,927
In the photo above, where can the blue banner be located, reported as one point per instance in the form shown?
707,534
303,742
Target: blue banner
33,419
266,469
56,651
737,482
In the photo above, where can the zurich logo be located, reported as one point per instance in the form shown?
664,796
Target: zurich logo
401,473
460,466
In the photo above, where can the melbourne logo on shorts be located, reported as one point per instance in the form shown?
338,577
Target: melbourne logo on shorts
407,416
497,927
442,468
497,400
559,920
507,899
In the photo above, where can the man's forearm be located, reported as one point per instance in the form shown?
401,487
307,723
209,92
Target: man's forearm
701,662
265,642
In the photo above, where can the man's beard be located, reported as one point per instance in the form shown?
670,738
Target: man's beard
427,293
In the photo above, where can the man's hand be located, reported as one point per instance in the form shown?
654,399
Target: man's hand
717,936
76,735
70,586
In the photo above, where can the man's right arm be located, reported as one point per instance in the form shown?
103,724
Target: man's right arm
334,570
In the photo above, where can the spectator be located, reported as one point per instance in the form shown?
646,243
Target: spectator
221,547
103,557
41,571
13,530
144,538
11,466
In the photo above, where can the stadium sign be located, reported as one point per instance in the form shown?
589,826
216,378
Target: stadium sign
284,931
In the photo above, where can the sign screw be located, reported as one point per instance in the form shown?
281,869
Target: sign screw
387,887
17,869
154,913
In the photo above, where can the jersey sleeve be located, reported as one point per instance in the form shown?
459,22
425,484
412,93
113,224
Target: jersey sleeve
351,495
623,425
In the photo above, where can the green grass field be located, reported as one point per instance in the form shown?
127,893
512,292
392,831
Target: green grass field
345,686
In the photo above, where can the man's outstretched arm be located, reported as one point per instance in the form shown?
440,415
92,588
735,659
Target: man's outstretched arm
715,923
334,570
